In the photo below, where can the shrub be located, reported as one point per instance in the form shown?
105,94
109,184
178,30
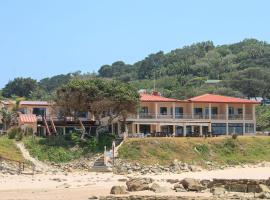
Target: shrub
234,136
19,136
13,132
105,139
92,144
75,138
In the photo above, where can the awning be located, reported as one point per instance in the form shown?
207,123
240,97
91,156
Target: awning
27,118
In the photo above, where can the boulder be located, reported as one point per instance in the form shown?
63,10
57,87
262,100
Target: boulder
264,188
264,195
178,187
138,184
157,188
191,184
118,190
172,181
218,191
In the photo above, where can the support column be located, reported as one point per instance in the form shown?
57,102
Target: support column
244,118
192,111
227,128
133,128
210,128
227,112
156,111
173,113
64,130
112,129
254,117
158,127
210,110
174,133
137,128
119,128
192,129
201,130
184,130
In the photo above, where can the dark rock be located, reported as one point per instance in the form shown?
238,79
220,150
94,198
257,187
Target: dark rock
118,190
191,184
157,188
138,184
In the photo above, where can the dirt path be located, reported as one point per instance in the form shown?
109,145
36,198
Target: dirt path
39,166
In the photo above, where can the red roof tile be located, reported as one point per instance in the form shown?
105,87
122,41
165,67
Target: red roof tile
156,98
212,98
28,118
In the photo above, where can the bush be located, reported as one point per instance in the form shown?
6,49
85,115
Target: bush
75,137
13,132
19,136
234,136
92,144
105,139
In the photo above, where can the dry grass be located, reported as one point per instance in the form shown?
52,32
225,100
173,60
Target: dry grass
221,150
9,150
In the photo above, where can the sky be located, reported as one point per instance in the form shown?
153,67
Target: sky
43,38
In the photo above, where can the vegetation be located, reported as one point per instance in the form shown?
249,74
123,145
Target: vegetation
218,150
66,148
263,118
9,150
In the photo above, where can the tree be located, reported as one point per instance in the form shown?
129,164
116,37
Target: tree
98,96
21,87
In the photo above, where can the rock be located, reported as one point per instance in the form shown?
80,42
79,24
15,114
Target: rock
192,184
157,188
264,195
178,187
92,197
218,191
264,188
138,184
118,190
171,181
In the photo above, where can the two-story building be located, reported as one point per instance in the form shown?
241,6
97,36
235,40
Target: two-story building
47,119
205,114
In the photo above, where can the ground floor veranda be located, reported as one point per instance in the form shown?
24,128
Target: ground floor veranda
190,129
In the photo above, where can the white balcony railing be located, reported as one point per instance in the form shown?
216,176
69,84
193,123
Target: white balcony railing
195,116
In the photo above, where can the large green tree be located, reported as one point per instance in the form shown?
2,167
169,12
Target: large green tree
22,87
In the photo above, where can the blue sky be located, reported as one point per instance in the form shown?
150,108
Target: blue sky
49,37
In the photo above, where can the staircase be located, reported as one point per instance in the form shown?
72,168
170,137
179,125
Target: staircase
100,166
50,129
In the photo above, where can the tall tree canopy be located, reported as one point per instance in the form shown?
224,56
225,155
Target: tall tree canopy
98,96
22,87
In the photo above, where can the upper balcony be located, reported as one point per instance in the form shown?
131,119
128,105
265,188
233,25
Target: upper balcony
193,116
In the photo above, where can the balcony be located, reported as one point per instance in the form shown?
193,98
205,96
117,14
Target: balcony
195,116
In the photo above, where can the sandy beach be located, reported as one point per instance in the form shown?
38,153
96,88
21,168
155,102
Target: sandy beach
81,186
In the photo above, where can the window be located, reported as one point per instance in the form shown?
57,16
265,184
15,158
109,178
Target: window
39,111
249,128
240,111
144,109
82,114
178,112
198,111
214,110
219,129
236,128
231,110
163,110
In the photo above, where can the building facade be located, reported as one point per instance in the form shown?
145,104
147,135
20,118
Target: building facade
206,114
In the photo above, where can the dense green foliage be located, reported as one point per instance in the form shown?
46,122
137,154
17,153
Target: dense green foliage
220,150
263,118
22,87
243,68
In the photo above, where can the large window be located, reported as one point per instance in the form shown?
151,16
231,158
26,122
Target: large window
144,110
231,110
236,128
249,128
219,129
198,111
214,110
178,112
39,111
163,110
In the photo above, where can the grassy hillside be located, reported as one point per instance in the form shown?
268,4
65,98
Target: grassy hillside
9,150
220,150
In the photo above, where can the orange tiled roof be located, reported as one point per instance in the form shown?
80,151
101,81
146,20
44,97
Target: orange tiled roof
156,98
212,98
28,118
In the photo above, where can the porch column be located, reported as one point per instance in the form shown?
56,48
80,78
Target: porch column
173,113
158,127
227,128
210,110
192,129
138,128
184,130
201,130
133,128
112,128
210,128
156,111
174,133
192,110
64,130
118,128
244,118
227,112
254,117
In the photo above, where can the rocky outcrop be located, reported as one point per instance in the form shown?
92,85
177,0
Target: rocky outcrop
155,187
191,184
138,184
117,190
